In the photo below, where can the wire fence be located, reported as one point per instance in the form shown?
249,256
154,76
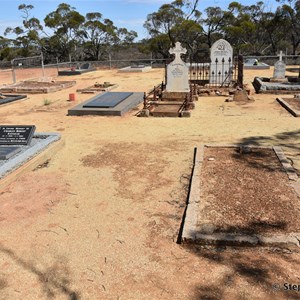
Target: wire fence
33,68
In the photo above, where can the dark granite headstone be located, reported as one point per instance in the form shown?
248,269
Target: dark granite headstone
16,135
110,99
8,151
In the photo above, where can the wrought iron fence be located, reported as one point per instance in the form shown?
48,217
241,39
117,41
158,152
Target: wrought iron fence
214,74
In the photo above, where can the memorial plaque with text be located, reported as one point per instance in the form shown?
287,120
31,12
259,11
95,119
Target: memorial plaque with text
16,135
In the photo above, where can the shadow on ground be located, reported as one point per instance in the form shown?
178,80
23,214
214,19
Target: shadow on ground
248,272
288,139
54,280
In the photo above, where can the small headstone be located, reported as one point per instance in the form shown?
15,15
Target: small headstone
221,62
16,135
177,71
279,68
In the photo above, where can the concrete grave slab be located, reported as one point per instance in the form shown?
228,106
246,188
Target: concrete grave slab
109,99
7,98
123,106
135,69
41,148
264,85
253,64
84,68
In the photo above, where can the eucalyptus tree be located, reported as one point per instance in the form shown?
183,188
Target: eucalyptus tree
247,28
66,24
176,21
290,14
99,36
26,39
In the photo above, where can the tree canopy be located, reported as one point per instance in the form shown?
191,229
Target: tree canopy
251,30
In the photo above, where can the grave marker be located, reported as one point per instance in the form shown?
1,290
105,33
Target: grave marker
177,71
221,62
16,135
279,68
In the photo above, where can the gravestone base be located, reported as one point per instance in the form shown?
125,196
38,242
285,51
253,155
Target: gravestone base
279,80
174,96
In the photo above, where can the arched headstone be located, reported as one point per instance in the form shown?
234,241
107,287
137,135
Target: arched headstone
221,62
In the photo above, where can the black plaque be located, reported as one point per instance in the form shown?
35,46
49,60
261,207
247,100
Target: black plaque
16,135
8,151
110,99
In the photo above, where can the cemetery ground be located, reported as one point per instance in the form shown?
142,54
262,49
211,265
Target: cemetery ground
100,219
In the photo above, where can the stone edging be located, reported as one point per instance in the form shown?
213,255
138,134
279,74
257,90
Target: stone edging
294,112
189,232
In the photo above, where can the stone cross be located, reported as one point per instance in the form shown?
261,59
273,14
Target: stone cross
177,50
280,56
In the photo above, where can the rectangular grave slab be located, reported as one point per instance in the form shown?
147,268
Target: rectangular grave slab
5,98
263,85
16,134
8,151
138,69
118,110
110,99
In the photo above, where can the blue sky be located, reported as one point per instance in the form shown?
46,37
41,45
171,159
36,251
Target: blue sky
130,14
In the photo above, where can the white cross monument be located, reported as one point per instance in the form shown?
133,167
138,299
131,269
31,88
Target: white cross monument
279,69
177,71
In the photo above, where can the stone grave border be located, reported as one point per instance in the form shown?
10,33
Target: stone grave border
262,85
92,89
189,228
30,157
18,88
289,108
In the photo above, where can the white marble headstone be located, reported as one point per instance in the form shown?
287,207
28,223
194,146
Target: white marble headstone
177,71
221,62
279,68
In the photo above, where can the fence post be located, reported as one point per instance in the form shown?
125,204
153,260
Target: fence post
13,72
42,58
240,71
